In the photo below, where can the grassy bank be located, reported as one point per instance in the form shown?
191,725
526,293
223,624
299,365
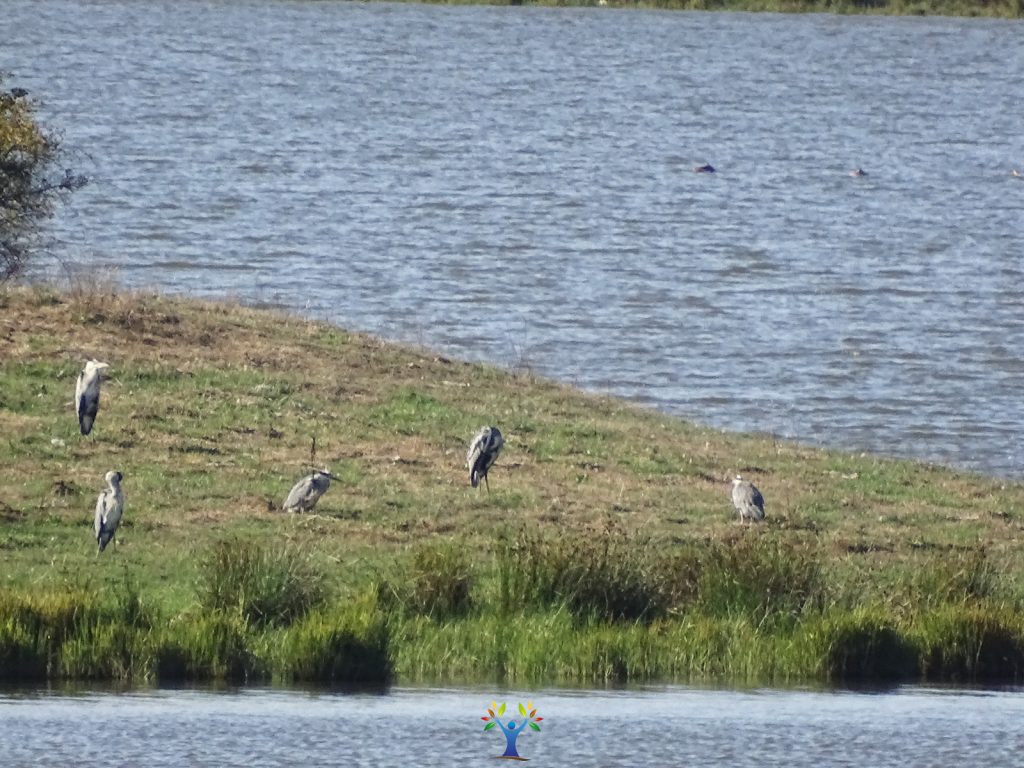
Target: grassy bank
1006,9
605,550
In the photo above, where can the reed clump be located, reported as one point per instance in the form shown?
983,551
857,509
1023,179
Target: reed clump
208,648
263,585
345,644
971,644
34,628
768,579
602,572
437,582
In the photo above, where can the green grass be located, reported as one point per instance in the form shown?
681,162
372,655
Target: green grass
606,549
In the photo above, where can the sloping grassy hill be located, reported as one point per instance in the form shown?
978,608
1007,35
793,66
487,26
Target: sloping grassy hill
210,410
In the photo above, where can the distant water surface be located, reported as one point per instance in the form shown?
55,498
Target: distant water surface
515,185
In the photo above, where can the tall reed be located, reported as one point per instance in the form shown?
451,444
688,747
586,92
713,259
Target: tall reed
265,585
346,643
438,582
603,572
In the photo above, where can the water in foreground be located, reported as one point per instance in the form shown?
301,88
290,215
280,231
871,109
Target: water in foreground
666,726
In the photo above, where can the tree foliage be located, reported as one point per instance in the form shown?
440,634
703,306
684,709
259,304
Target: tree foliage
30,183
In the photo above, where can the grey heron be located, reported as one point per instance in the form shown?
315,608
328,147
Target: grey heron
747,500
87,394
109,510
483,451
307,492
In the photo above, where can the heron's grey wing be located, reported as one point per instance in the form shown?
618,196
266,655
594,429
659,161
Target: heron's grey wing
476,445
496,438
79,390
739,495
497,443
299,493
321,483
757,499
101,510
87,400
108,515
474,457
115,510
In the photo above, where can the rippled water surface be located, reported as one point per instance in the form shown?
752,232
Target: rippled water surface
516,185
909,728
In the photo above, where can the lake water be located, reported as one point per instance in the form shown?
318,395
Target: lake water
515,185
908,728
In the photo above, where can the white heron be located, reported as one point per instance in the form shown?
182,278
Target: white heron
483,451
307,492
87,394
109,510
748,500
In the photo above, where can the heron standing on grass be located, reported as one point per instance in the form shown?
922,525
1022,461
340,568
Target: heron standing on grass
109,509
747,500
87,394
307,492
483,451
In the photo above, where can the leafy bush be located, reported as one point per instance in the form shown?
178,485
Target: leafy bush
28,188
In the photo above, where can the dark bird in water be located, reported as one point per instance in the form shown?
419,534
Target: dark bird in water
483,451
707,168
307,492
747,500
109,509
858,172
87,394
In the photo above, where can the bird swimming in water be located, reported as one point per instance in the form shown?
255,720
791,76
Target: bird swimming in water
747,500
87,394
109,509
858,172
483,452
307,492
706,168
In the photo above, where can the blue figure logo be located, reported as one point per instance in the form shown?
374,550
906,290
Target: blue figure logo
512,728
